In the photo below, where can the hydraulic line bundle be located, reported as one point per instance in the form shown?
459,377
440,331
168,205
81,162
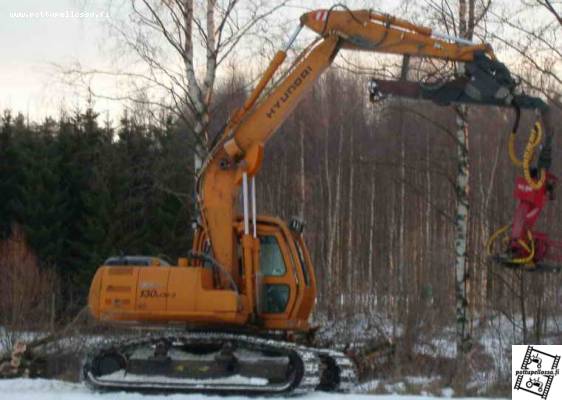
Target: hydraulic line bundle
519,245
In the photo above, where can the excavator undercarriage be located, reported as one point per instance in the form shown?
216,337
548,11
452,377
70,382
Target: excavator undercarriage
218,362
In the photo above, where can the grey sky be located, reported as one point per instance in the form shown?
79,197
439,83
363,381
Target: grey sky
31,43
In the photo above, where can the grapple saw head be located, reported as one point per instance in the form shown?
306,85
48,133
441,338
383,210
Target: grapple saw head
485,82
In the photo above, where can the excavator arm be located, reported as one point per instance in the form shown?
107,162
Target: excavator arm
238,152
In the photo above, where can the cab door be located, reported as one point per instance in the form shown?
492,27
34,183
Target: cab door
277,282
307,301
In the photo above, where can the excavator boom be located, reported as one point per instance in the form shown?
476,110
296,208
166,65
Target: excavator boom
371,31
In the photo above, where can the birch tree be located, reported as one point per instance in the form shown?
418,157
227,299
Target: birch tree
461,18
466,30
172,51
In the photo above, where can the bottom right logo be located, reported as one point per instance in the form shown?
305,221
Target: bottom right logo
535,372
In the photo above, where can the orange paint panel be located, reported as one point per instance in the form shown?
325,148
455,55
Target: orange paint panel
111,278
183,289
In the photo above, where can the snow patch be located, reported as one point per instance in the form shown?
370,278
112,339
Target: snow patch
43,389
420,380
368,387
230,380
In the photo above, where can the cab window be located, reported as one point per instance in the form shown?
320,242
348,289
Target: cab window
271,259
276,298
303,263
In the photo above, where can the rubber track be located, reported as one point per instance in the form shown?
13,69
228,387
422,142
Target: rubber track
311,358
346,369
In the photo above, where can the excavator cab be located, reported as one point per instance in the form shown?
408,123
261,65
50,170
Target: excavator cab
284,283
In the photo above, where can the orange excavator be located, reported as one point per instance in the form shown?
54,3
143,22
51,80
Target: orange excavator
231,315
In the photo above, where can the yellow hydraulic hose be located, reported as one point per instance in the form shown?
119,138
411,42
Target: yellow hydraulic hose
494,236
531,250
534,141
511,150
529,246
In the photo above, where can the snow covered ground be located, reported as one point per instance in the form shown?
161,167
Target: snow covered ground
42,389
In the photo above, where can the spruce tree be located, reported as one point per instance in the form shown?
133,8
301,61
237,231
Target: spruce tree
9,161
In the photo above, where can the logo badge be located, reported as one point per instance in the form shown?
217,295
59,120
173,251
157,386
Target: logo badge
535,372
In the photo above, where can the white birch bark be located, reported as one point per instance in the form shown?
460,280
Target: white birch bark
461,234
195,96
462,276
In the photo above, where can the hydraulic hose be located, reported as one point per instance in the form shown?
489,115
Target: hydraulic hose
530,249
494,237
529,246
534,141
511,142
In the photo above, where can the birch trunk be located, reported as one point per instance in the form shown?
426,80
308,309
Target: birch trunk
350,223
334,205
392,264
462,276
371,238
402,300
461,235
486,194
428,242
302,172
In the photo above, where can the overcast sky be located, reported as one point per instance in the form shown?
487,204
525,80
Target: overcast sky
31,42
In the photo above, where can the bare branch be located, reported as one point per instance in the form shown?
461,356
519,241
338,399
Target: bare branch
551,9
